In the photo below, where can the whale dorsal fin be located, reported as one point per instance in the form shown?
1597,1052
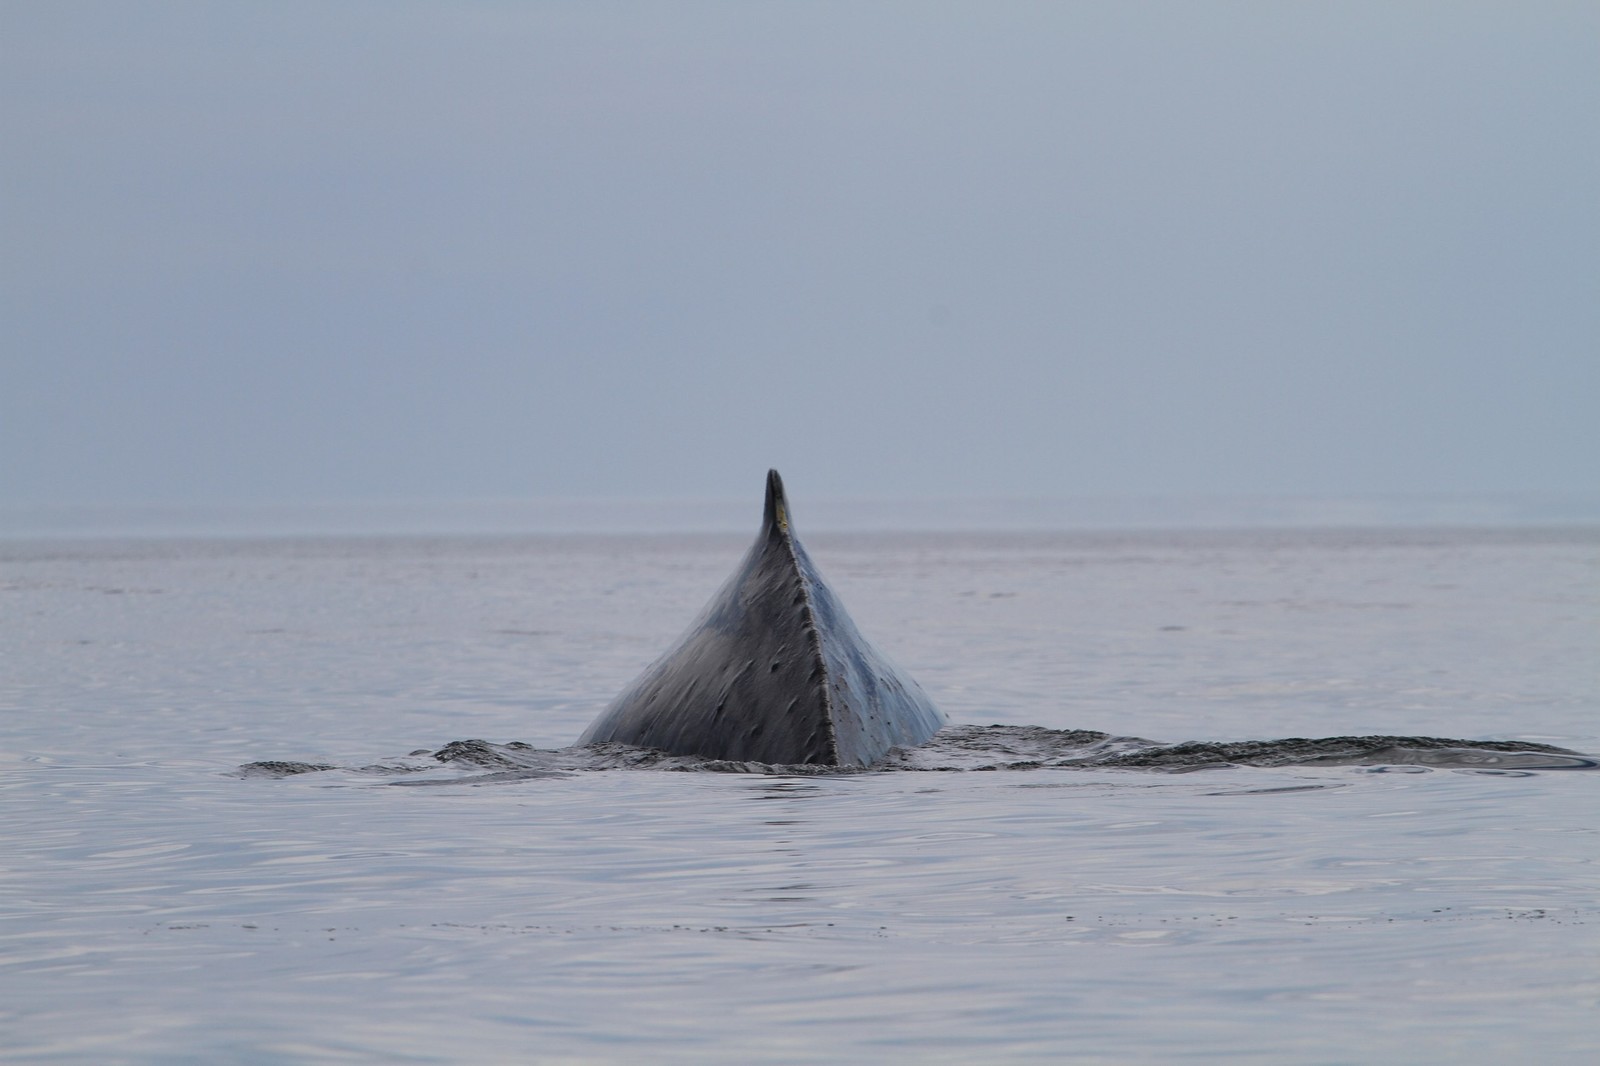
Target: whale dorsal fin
776,517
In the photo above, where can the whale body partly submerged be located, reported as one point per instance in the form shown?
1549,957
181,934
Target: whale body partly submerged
773,671
774,675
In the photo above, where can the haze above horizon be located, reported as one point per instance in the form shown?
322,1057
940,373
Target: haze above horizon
410,251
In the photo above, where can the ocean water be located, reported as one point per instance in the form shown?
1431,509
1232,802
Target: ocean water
972,902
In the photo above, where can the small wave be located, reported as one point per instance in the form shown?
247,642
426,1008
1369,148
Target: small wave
975,748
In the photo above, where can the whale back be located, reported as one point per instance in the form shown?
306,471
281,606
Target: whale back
773,670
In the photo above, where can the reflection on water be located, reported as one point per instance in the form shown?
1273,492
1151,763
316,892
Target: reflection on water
1278,790
777,790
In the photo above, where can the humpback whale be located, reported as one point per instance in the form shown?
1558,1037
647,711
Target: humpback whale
772,671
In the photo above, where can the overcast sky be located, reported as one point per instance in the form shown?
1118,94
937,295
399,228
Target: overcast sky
427,251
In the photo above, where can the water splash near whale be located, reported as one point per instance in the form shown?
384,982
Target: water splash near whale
968,748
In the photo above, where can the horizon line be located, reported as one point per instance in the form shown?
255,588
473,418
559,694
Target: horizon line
509,515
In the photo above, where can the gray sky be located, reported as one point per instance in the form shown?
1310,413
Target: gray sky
399,251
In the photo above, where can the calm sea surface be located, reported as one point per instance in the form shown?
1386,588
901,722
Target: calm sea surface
156,906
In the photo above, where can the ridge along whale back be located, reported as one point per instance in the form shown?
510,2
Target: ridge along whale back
772,671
